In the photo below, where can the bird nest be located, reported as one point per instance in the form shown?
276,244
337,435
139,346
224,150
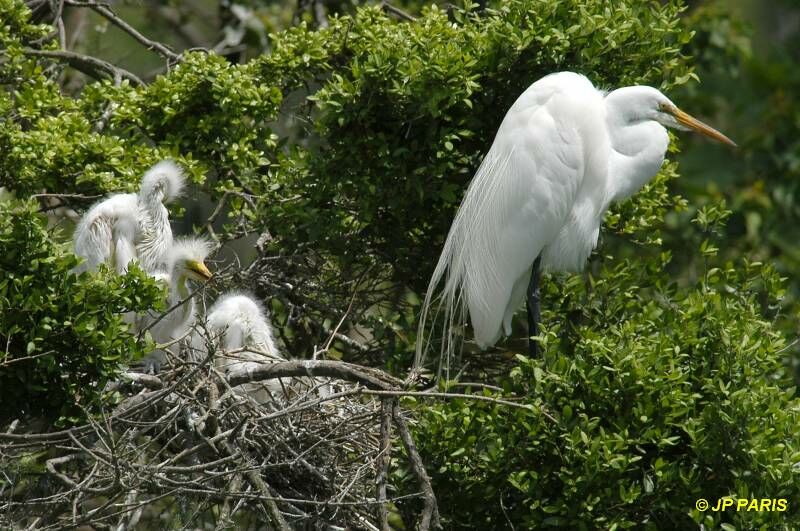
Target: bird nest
284,445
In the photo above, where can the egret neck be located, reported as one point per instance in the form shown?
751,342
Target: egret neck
638,143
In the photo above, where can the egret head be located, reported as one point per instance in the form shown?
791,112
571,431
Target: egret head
658,107
187,259
638,103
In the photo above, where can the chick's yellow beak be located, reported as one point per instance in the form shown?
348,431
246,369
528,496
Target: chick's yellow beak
199,269
694,124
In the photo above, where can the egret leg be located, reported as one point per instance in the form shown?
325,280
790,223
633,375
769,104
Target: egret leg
534,309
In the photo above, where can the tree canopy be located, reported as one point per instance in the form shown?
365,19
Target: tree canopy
327,160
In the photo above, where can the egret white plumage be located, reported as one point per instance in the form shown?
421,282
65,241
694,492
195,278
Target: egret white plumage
241,334
564,152
185,262
127,227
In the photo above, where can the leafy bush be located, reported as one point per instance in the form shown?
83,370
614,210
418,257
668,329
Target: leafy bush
336,202
659,396
62,334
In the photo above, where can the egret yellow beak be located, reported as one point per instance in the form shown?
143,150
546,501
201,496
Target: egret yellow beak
694,124
199,269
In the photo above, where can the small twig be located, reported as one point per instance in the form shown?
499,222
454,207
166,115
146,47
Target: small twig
477,385
268,499
225,511
341,321
67,196
169,310
50,464
145,380
6,362
349,341
62,33
371,378
214,215
429,394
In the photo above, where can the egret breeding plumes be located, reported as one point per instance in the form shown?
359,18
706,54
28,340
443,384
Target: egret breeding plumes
564,152
126,227
185,262
240,333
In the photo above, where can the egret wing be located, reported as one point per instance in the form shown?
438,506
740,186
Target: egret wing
124,233
97,234
515,204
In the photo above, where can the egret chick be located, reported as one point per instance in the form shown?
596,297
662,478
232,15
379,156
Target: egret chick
185,261
127,227
241,334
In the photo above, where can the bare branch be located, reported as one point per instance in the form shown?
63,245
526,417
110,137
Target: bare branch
91,66
480,398
384,455
371,378
430,512
396,11
106,12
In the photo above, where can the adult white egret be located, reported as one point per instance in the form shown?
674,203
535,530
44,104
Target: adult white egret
127,227
240,332
564,151
185,262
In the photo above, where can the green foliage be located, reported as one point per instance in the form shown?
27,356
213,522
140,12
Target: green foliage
660,397
750,85
62,334
206,107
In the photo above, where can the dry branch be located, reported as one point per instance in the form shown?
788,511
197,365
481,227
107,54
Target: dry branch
384,455
430,512
91,66
108,14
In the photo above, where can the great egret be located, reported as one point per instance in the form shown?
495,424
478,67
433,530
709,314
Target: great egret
185,261
235,323
127,227
564,152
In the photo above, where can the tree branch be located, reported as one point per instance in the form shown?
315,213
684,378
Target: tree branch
384,455
368,377
91,66
430,511
396,11
127,28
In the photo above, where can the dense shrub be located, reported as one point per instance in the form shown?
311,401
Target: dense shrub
659,397
62,334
